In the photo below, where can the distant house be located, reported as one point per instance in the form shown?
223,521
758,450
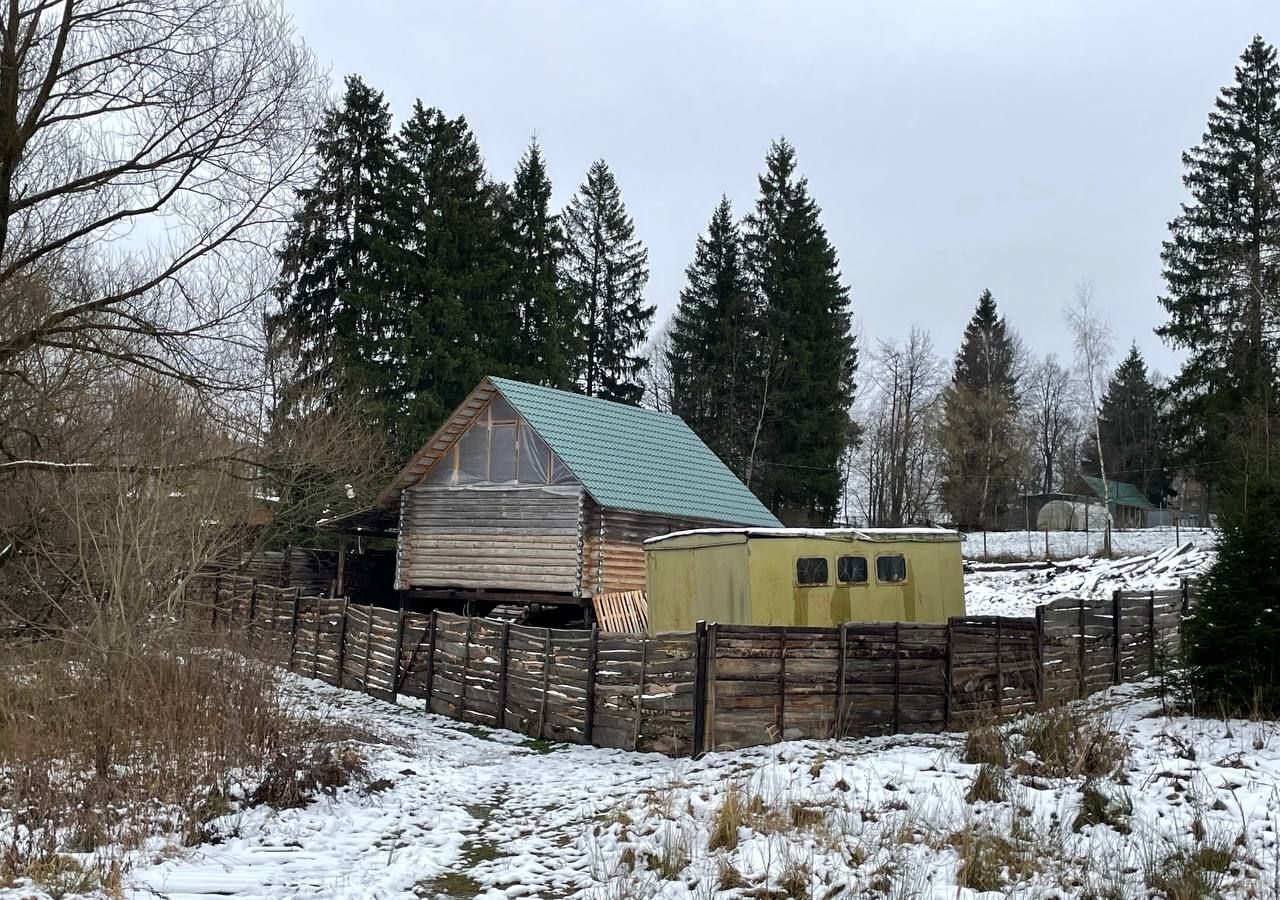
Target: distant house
1080,507
533,494
1129,506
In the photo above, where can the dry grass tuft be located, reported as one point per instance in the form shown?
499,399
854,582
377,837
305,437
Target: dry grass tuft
101,752
990,785
1099,807
1070,742
985,744
990,861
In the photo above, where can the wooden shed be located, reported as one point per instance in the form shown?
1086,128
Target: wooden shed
803,576
531,493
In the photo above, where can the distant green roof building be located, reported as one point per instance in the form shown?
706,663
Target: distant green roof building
1119,493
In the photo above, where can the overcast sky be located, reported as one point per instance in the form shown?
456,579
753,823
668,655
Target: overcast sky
1017,146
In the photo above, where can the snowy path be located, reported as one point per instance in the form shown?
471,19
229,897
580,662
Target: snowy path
455,796
478,813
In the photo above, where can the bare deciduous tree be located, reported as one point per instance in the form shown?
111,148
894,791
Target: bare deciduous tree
1051,422
895,472
146,147
1091,337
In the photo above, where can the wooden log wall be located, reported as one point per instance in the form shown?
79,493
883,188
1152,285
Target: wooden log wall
613,545
722,687
517,539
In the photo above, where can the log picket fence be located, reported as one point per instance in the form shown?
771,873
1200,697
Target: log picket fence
720,687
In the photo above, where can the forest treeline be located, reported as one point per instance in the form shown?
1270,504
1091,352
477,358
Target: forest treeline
410,271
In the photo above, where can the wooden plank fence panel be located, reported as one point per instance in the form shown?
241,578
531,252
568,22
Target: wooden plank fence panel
724,686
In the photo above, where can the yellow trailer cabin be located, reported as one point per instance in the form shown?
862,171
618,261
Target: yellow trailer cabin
803,576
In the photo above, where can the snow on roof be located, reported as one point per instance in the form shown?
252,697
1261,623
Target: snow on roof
846,534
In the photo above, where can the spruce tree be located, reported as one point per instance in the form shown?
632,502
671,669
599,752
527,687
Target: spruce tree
1222,271
1132,430
1232,637
713,339
979,420
535,242
450,271
604,273
805,373
334,321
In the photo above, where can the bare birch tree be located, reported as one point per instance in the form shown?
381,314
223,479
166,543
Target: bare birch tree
1091,338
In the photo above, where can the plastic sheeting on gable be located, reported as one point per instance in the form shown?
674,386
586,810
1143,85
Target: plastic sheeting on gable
493,451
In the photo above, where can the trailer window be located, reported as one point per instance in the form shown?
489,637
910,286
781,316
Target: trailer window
851,570
891,569
811,570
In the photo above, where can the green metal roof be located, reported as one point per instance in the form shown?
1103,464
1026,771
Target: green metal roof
637,459
1121,493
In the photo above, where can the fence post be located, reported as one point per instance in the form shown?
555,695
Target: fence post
504,666
368,646
999,666
948,679
217,589
431,656
644,663
466,668
293,627
275,613
782,681
1084,656
315,638
342,642
1151,632
1039,656
253,607
897,677
593,649
838,729
1115,637
399,657
546,679
699,685
713,631
1186,600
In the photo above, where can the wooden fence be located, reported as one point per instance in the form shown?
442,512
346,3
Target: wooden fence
722,686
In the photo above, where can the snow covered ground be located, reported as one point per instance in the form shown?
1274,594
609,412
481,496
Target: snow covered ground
1071,544
1016,590
464,811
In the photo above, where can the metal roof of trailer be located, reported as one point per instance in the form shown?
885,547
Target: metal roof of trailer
874,535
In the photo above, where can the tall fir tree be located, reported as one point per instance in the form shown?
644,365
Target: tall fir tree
1131,425
535,241
805,372
979,420
1222,271
604,273
334,322
712,353
450,271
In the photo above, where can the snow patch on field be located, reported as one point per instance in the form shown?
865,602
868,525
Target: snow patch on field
995,589
1071,544
474,812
